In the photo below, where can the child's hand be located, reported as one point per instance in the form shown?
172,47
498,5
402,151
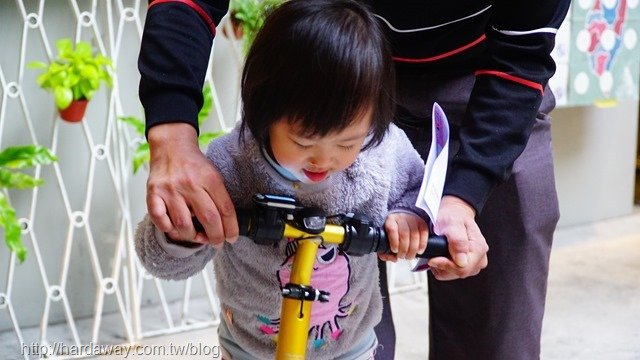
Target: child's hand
407,234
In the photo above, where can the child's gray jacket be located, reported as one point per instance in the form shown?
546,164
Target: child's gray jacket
249,276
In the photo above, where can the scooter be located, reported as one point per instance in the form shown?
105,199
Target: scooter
275,218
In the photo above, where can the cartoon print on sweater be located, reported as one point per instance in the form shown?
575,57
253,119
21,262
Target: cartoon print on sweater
331,273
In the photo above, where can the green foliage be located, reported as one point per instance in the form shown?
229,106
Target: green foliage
12,159
207,104
75,74
142,155
251,15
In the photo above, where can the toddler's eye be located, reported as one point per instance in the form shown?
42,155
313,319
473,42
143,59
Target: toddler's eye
301,145
347,147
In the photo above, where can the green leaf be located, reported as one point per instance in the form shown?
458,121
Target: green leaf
206,105
17,180
20,157
137,124
85,91
37,65
83,49
141,156
75,73
64,46
205,138
251,14
61,77
63,97
11,227
43,80
107,79
89,72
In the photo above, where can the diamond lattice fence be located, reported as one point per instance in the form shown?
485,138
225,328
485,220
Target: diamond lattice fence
76,286
79,284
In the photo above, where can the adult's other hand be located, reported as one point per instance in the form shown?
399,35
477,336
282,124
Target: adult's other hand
183,183
467,245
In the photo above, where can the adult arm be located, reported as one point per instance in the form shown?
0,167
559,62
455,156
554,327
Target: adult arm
508,90
174,55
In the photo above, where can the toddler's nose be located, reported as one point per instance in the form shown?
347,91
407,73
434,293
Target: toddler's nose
320,161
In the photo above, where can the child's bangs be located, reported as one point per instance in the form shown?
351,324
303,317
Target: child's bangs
321,66
332,105
339,79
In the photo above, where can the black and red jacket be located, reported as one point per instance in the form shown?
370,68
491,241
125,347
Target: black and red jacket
507,44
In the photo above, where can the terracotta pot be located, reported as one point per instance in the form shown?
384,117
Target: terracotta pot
75,111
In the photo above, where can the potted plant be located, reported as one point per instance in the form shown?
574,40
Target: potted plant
141,154
247,17
73,77
12,159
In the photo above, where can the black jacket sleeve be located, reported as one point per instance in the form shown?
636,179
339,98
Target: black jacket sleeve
508,90
174,55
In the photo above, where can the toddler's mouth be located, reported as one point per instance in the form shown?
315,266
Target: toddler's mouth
315,176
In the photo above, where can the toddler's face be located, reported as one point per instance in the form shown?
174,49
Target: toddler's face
313,159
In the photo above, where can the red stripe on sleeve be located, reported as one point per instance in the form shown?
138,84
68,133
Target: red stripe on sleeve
516,79
443,55
203,14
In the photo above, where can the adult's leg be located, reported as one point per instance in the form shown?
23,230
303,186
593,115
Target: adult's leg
385,330
498,313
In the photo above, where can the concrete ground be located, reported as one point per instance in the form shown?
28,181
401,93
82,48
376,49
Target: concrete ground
593,301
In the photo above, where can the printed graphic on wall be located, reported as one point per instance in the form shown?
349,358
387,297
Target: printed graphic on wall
604,57
560,80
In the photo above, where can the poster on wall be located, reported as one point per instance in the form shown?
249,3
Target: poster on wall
604,52
560,80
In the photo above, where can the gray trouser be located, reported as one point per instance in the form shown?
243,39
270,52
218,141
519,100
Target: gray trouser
498,313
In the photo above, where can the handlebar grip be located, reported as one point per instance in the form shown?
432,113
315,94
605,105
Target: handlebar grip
263,227
363,239
437,245
244,222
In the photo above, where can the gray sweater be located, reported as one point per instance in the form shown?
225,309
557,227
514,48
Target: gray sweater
249,276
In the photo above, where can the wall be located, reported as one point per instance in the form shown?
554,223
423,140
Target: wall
595,152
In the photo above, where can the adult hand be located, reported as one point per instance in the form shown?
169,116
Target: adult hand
467,246
183,183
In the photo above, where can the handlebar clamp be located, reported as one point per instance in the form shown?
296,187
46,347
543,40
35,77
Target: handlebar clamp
361,236
302,292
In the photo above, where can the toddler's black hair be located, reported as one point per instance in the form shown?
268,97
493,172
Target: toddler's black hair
320,64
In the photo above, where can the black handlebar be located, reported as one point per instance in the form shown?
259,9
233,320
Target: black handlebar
265,225
372,239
